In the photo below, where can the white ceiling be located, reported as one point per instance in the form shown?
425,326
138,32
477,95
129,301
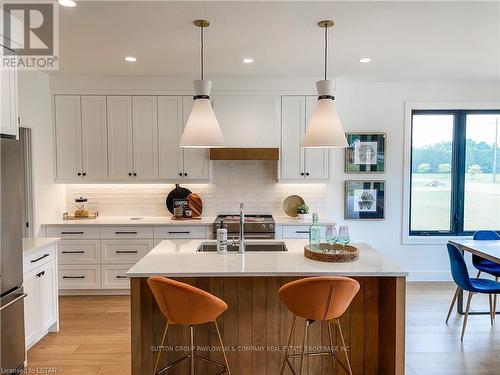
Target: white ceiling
405,40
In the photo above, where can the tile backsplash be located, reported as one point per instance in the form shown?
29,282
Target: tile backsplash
251,182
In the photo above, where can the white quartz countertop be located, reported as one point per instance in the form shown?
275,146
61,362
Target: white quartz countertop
35,243
167,220
179,258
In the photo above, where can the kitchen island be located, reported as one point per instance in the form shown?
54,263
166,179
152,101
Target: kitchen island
256,325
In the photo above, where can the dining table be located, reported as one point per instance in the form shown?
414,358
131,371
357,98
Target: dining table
487,249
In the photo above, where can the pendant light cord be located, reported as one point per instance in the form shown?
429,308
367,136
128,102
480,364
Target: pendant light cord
202,56
326,50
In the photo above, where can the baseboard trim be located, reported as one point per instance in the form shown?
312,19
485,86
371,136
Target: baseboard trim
94,292
424,276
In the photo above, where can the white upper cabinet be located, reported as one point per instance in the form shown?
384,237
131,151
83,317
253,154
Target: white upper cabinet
120,149
68,119
297,163
169,131
249,120
94,138
196,162
145,137
8,101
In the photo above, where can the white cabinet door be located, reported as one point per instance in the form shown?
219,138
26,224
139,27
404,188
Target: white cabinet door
292,130
8,101
120,149
170,126
31,314
317,161
249,120
47,282
94,138
68,137
145,136
196,161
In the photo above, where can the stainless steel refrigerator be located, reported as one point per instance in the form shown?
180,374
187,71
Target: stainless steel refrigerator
12,350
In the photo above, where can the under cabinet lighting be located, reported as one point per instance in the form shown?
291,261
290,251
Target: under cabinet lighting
247,60
130,59
365,60
67,3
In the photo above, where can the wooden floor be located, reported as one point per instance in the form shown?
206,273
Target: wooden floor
94,337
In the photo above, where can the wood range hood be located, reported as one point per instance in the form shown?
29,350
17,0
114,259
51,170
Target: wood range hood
244,153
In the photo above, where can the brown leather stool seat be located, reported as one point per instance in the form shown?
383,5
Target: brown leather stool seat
323,298
181,303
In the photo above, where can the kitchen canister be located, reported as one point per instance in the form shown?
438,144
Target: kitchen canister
222,240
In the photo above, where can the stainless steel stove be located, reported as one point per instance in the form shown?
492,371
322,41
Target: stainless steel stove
256,226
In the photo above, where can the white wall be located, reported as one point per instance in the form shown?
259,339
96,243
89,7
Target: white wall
35,109
362,106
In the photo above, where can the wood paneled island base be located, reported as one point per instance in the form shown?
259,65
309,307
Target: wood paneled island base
256,326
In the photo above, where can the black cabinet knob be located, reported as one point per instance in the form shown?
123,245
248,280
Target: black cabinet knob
307,174
185,174
135,174
84,174
180,173
302,173
130,174
79,174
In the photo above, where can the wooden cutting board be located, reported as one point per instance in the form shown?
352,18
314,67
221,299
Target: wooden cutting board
195,204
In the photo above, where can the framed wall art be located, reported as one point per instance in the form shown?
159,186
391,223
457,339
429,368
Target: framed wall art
365,153
364,200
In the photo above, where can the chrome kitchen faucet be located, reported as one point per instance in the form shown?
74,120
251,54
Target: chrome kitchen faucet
241,240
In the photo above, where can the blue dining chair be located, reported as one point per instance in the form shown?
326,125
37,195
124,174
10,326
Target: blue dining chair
461,277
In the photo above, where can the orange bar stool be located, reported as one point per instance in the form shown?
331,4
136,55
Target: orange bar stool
323,298
184,304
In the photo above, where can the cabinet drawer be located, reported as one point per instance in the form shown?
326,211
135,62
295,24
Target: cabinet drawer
71,232
79,277
126,232
124,251
180,231
114,276
299,231
38,257
79,252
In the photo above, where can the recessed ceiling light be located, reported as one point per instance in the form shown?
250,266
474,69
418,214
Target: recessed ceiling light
67,3
365,60
130,59
247,60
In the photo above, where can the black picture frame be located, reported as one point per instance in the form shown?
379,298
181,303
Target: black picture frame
364,200
365,152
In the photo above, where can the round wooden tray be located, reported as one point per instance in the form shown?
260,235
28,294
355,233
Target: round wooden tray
349,254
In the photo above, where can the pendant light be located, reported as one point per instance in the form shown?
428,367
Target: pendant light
202,128
325,129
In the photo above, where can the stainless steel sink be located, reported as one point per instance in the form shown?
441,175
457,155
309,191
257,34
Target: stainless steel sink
264,246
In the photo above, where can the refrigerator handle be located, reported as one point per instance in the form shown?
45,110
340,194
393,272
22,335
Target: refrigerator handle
24,295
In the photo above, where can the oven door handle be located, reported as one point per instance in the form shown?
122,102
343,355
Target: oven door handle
259,235
24,295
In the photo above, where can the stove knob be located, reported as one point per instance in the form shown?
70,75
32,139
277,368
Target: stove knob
271,226
217,226
263,226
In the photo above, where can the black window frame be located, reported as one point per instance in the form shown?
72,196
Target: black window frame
457,170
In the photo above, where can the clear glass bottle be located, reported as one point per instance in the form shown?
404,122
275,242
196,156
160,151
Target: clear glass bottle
314,233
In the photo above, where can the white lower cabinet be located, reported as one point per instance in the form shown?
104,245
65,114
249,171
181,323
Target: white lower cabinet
124,251
114,276
80,276
41,304
299,231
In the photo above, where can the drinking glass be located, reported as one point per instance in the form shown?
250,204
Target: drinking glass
343,235
331,234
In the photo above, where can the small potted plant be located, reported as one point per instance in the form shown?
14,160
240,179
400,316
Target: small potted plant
302,211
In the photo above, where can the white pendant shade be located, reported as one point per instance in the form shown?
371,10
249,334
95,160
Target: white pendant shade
202,129
325,129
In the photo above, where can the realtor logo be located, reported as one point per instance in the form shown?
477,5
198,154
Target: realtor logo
29,36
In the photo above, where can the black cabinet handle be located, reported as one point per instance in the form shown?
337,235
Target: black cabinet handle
84,173
180,173
307,174
38,259
79,174
74,252
130,174
71,232
175,232
126,232
302,231
40,274
135,174
121,277
302,173
185,174
126,251
73,277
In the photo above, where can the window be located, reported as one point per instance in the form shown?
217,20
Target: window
455,167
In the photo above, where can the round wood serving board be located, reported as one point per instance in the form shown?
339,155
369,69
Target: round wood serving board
349,253
195,204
